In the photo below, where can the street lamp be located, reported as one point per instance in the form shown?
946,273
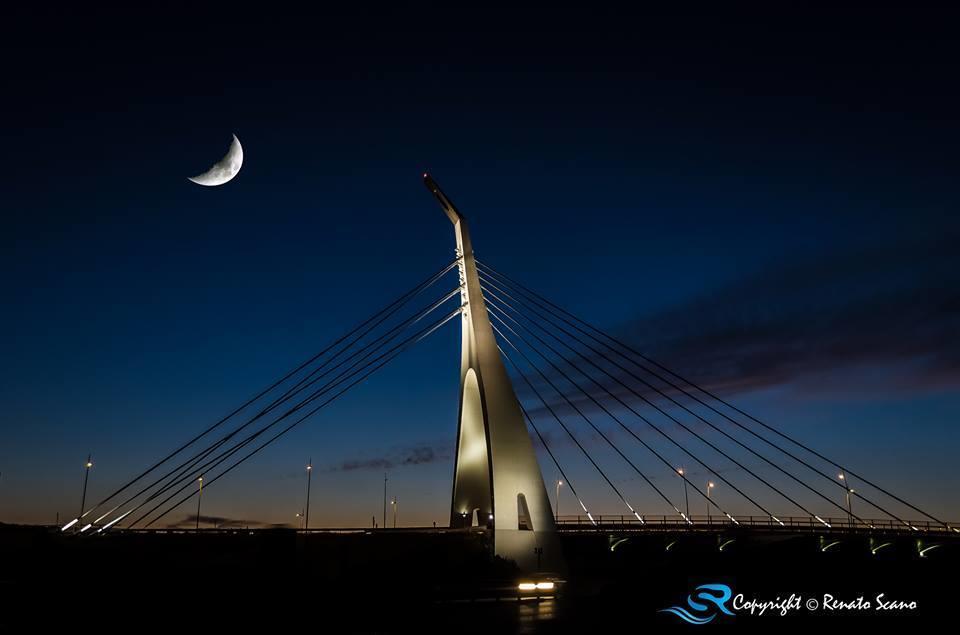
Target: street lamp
86,477
686,497
849,491
199,496
395,506
556,507
306,520
710,486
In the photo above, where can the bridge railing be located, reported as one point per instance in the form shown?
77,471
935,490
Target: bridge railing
712,522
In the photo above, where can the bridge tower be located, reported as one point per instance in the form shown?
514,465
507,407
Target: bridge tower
496,481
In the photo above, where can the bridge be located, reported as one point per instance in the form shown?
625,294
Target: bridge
650,524
579,387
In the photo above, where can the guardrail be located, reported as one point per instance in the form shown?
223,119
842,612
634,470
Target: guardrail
624,522
232,530
618,522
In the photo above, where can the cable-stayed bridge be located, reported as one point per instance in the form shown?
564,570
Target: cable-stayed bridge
595,406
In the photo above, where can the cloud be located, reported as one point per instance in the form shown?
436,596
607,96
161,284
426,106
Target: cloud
190,520
416,455
876,320
891,311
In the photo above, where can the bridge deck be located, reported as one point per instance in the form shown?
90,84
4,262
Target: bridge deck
765,523
649,524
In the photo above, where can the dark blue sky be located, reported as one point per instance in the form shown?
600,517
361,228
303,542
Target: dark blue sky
767,201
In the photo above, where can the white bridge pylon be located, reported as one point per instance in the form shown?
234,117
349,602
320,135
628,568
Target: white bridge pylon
497,481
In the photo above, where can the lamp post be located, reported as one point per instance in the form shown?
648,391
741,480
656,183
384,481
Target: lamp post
306,519
686,497
557,506
86,477
848,492
199,497
384,523
710,486
395,506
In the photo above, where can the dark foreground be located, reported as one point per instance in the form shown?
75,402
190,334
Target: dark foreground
446,581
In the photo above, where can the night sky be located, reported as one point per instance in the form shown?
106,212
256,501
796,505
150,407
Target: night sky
766,202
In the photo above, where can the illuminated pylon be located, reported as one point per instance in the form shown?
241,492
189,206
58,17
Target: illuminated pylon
496,481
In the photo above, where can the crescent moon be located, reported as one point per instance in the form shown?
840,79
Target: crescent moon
224,169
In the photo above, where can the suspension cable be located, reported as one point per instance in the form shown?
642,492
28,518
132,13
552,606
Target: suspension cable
395,304
363,353
592,424
178,473
546,447
559,313
579,354
710,501
389,356
562,425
